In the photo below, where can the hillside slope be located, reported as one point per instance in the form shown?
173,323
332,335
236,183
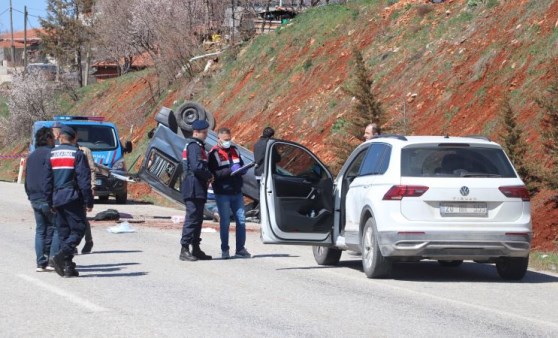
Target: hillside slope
438,69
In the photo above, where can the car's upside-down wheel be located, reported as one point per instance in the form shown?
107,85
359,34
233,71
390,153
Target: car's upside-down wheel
373,263
189,112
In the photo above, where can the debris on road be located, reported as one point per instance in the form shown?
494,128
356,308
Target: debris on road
123,227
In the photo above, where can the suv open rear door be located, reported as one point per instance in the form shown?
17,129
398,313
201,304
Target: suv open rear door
296,195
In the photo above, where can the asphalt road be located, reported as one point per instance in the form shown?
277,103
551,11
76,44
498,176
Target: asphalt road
134,285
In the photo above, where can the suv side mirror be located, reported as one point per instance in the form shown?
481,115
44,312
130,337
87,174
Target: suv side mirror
128,147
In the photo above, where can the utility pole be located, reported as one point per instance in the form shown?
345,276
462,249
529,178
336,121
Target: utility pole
24,38
12,29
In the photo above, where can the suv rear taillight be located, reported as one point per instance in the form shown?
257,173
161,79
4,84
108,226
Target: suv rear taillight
397,192
516,191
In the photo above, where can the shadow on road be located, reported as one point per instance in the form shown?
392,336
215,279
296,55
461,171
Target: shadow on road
100,270
114,251
105,265
433,272
131,274
274,256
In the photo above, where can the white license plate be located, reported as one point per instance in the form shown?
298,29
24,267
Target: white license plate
457,209
98,182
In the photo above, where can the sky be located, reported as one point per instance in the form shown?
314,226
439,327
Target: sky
35,8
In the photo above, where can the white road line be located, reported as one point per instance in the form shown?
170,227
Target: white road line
62,293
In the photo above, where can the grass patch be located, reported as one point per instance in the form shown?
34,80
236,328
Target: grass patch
547,261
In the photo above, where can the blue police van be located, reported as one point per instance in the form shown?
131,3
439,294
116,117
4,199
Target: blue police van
108,152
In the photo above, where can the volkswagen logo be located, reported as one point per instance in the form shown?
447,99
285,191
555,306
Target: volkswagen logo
464,191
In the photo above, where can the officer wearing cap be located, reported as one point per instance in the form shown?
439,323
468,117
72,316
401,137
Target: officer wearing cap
68,189
195,183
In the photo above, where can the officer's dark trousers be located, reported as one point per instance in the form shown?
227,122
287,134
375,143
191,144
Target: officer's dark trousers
191,231
71,220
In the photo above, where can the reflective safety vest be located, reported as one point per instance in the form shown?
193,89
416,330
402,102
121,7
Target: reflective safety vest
222,156
185,164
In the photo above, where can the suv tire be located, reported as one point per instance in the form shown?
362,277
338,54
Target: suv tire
373,263
326,256
512,268
450,264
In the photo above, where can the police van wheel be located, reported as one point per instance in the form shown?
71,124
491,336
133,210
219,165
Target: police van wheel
189,112
122,198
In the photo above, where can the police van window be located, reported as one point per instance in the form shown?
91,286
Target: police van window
354,167
96,137
297,162
376,161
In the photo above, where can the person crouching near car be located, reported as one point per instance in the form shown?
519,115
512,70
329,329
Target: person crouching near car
224,162
35,176
68,189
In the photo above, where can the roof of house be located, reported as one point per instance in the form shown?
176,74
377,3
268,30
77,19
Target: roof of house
138,61
33,38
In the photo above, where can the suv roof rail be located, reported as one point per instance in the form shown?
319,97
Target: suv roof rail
480,137
399,137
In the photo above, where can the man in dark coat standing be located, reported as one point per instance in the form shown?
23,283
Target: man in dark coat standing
259,152
35,176
195,183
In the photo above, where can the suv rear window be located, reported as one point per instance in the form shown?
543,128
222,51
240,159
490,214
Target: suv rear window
455,161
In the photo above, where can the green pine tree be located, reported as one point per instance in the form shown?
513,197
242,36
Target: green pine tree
66,32
348,131
549,126
516,148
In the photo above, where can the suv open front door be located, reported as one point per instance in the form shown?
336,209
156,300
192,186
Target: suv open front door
296,196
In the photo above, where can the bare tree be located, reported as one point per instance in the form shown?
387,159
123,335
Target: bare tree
171,31
31,98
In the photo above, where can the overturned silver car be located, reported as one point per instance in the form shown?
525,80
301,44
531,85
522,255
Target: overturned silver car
162,166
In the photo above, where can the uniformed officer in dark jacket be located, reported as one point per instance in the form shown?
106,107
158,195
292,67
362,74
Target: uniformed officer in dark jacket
68,189
197,178
35,176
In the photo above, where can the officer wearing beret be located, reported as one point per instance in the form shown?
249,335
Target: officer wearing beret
197,178
68,189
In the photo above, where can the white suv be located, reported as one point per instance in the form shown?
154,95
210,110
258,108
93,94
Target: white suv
401,199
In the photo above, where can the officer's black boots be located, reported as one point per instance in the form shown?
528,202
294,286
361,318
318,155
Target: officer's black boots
186,255
87,248
58,263
70,269
199,254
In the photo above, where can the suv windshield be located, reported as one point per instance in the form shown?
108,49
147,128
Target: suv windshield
96,137
455,161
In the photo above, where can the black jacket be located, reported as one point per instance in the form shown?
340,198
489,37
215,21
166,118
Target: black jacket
220,162
196,173
36,174
259,155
